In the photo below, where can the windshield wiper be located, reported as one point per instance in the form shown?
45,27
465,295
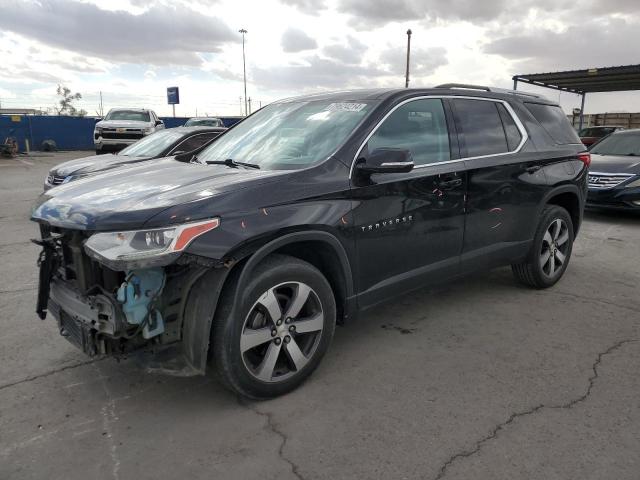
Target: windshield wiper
230,162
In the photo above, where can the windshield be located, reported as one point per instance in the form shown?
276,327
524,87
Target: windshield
596,132
618,144
128,115
288,136
153,145
203,122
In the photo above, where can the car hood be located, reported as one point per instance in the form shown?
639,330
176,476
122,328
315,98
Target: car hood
614,164
95,163
128,197
122,124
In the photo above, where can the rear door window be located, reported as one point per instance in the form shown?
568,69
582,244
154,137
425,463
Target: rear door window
481,127
555,122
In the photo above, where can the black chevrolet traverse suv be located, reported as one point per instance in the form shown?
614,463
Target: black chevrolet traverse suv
245,255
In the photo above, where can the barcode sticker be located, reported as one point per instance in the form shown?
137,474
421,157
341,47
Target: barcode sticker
346,107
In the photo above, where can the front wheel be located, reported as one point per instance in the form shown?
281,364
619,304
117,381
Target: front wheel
275,336
550,252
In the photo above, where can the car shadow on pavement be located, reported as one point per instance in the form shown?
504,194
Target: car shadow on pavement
613,217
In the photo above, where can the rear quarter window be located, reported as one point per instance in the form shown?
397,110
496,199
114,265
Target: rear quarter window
555,122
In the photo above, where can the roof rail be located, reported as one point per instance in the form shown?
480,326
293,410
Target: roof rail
516,92
488,89
465,86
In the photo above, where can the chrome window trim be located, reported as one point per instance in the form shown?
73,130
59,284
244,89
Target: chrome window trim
514,116
396,164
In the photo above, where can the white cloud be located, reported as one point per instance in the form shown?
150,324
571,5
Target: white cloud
131,50
611,42
161,35
423,61
295,40
350,52
311,7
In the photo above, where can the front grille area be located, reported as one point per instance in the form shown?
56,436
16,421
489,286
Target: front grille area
55,179
123,136
607,180
75,266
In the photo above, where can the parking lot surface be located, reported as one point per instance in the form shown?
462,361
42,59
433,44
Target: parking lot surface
480,379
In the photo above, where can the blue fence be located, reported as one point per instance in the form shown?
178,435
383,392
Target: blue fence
69,133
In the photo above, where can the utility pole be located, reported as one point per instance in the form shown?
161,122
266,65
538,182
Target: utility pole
101,110
249,105
406,83
244,70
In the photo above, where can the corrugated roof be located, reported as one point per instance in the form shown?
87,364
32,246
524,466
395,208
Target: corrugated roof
607,79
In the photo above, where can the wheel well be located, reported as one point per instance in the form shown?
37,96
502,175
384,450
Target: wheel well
322,256
569,201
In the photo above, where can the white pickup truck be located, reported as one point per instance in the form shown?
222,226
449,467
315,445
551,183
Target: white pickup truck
122,127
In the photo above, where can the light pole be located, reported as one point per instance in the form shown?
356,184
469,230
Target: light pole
406,82
244,71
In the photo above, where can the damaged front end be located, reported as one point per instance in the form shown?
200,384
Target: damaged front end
116,293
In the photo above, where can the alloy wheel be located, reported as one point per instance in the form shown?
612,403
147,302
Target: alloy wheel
555,245
282,331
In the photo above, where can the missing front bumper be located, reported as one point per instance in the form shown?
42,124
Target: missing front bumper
89,323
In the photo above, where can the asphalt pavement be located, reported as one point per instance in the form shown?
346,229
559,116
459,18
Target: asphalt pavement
480,379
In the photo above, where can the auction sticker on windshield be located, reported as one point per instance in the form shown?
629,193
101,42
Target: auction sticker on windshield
346,107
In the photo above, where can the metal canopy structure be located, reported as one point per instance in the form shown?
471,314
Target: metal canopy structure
581,82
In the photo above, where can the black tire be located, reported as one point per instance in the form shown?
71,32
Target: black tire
231,325
534,271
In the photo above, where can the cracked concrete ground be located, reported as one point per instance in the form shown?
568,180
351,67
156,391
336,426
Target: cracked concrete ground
482,379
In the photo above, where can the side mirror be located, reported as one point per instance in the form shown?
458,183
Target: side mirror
159,122
98,120
386,160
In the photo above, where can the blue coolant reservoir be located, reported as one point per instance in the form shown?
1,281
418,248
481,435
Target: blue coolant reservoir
137,294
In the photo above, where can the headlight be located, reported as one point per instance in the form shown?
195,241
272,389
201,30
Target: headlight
145,248
148,130
635,183
98,130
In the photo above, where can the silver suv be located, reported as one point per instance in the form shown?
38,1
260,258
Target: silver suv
124,126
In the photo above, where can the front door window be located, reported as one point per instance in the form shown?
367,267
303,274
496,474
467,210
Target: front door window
419,126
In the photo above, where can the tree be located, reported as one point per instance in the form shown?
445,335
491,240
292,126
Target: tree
66,102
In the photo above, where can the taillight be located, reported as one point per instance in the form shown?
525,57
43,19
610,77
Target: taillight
585,157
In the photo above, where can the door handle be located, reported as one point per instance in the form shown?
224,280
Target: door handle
446,184
533,168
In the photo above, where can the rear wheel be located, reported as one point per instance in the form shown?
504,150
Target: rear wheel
551,250
275,336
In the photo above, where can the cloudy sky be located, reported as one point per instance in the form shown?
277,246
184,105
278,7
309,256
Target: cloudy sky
131,50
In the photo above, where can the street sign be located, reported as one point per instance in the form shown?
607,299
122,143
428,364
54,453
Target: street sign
173,95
